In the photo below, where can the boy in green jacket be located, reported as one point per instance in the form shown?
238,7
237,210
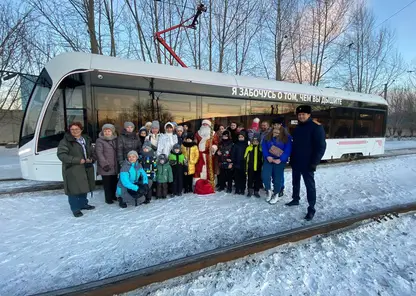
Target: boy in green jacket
177,163
163,176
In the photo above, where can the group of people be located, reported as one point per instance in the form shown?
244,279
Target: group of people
135,166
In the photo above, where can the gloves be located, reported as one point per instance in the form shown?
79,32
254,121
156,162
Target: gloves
312,168
133,193
106,168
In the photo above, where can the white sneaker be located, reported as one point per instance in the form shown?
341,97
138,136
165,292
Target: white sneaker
269,195
274,199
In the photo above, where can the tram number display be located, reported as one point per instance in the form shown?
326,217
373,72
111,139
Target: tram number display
284,96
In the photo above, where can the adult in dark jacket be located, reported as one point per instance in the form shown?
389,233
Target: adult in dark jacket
107,166
75,153
308,149
128,141
237,154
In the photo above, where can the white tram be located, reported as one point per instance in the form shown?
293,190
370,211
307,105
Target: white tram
96,89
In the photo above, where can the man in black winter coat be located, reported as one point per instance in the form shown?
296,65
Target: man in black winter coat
308,148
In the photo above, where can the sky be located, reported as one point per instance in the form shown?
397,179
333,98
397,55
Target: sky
404,24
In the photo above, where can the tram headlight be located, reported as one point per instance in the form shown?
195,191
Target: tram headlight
100,76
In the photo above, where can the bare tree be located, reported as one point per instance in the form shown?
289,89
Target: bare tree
372,59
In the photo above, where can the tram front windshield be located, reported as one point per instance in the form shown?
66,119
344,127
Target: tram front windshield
34,107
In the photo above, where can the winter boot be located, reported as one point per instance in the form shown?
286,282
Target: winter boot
293,203
250,193
88,207
256,194
309,215
122,204
274,199
78,214
269,195
282,191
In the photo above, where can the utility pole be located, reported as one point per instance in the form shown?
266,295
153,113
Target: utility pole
385,91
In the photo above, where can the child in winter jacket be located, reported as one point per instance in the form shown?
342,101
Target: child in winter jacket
191,152
177,163
254,161
239,149
148,161
163,176
225,162
133,183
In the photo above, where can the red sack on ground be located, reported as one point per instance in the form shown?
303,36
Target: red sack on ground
203,187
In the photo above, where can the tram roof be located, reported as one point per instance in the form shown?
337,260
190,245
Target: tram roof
68,62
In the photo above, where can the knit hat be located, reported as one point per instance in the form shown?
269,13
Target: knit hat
128,123
162,156
278,120
142,129
179,128
155,124
255,124
109,126
176,146
189,135
256,136
148,124
226,133
132,152
169,123
147,144
206,121
304,109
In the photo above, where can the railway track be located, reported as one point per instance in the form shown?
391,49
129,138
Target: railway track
137,279
49,186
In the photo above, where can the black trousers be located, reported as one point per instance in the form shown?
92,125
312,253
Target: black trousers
226,179
240,180
110,187
177,185
187,183
309,180
254,180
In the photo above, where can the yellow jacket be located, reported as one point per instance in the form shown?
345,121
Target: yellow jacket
192,156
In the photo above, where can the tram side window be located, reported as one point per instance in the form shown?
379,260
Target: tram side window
225,110
343,123
322,115
364,125
53,123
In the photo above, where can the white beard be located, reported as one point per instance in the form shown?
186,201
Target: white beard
205,133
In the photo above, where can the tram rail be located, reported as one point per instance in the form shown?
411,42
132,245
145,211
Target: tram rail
155,274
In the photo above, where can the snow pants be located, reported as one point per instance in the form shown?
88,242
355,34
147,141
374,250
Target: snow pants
162,190
187,183
240,180
225,178
254,180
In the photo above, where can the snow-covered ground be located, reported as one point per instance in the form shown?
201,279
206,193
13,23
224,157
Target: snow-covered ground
9,163
402,144
43,247
374,259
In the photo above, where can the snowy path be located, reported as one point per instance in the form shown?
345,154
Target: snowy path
374,259
43,247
